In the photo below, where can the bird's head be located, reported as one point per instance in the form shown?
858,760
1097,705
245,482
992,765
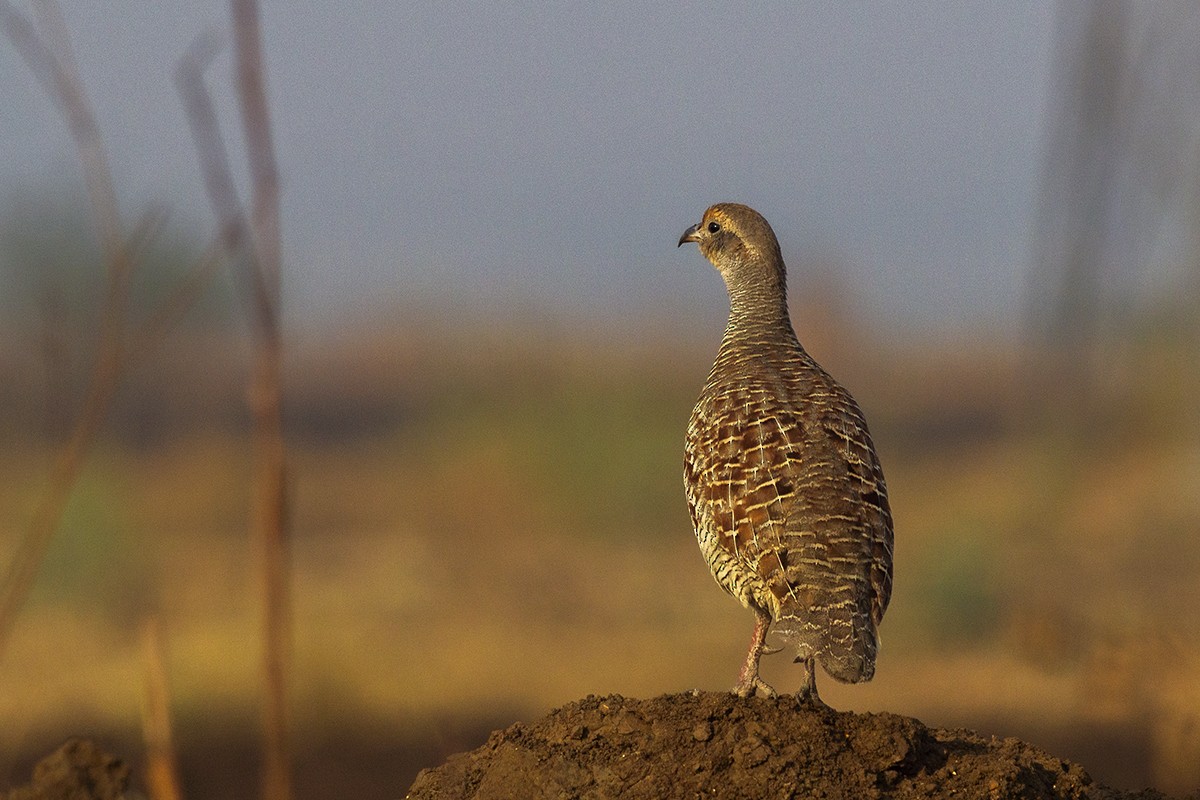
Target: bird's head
741,245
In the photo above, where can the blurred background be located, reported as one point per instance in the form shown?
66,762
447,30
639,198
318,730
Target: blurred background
991,217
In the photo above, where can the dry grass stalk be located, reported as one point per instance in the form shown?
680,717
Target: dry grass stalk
162,774
255,243
271,514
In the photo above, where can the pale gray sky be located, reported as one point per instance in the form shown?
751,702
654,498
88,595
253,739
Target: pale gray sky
553,152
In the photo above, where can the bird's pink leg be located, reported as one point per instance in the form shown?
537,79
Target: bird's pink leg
748,680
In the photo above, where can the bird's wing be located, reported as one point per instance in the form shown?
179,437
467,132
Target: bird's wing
842,510
791,496
740,492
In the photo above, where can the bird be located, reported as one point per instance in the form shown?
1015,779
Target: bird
785,490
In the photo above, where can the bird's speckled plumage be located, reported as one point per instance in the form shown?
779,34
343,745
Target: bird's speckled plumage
785,490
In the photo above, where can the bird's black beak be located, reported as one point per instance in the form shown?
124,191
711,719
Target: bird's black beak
689,235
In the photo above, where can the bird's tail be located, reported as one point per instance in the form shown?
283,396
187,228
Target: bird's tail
844,644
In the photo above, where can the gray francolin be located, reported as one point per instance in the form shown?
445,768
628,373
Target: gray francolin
783,484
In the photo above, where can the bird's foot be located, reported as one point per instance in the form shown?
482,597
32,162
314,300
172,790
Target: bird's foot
770,651
748,681
808,698
753,685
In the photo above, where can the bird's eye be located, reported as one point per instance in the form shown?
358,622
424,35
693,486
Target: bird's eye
713,227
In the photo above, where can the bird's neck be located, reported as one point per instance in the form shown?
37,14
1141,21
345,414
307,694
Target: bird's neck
758,333
759,311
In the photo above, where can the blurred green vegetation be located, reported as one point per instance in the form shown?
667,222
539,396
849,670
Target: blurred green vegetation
600,454
98,562
51,264
958,590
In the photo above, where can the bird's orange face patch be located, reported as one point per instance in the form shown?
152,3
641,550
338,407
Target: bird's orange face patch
721,240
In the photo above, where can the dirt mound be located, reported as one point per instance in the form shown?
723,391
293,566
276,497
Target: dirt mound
79,770
714,745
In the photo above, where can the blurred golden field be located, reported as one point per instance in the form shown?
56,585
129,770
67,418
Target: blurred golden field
489,521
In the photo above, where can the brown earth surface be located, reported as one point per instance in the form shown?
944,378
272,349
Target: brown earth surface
706,744
79,770
700,744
